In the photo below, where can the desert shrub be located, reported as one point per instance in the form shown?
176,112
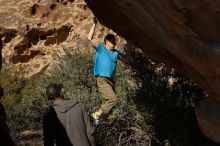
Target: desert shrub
26,103
75,72
149,112
173,121
23,100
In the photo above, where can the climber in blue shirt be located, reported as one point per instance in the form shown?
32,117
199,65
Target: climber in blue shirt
104,70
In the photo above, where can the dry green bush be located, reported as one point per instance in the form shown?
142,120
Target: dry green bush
23,100
76,74
149,112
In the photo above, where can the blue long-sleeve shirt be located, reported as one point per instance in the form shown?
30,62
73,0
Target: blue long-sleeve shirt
106,61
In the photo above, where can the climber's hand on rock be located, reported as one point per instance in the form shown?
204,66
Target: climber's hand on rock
95,20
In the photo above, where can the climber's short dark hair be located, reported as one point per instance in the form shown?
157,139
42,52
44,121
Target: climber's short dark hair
111,38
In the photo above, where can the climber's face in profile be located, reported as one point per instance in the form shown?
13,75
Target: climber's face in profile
110,44
110,41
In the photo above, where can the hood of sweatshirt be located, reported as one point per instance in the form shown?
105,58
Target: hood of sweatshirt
65,105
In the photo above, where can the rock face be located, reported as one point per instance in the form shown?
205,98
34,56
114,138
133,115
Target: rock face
182,33
34,32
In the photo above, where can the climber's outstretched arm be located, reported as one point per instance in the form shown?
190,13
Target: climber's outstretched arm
91,33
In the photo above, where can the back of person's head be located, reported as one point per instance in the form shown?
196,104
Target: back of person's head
110,38
54,91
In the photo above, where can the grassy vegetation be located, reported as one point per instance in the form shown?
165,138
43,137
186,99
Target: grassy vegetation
149,112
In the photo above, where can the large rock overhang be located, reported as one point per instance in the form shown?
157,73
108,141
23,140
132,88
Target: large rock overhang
182,33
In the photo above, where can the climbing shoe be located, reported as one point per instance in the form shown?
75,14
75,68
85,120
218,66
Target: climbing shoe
95,119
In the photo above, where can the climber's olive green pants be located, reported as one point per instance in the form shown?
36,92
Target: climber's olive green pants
106,89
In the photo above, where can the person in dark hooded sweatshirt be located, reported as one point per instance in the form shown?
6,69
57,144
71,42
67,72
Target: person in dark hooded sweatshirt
66,123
